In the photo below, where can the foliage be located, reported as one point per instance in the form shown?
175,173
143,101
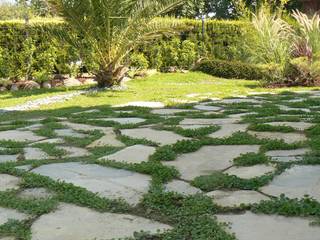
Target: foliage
228,69
139,61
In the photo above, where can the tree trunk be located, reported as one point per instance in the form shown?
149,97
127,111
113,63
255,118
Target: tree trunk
110,77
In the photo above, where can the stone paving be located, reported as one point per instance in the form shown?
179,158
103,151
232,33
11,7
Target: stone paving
120,164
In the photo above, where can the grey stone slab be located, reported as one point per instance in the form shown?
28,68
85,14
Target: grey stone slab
72,152
8,158
7,214
86,112
50,141
250,172
83,127
239,100
132,120
207,121
142,104
170,111
20,136
204,107
296,182
300,126
236,198
227,130
69,133
8,182
33,127
194,126
70,222
209,159
288,155
286,108
24,167
181,187
109,139
35,154
161,137
286,137
107,182
251,226
133,154
35,193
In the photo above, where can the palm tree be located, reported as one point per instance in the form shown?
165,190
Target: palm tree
114,28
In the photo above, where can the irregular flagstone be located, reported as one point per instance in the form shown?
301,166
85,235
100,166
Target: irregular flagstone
181,187
88,111
250,226
142,104
20,136
288,155
83,127
239,100
74,151
286,137
168,111
296,182
35,193
300,126
33,127
132,120
50,141
193,126
227,130
250,172
107,182
7,238
69,133
161,137
286,108
24,167
207,121
70,222
236,198
205,107
109,139
8,182
9,158
209,159
133,154
7,214
35,154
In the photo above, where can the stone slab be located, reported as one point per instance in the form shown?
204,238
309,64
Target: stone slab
181,187
288,155
161,137
204,107
35,193
209,159
296,182
251,226
35,154
142,104
109,139
132,120
286,137
7,214
70,222
250,172
170,111
227,130
300,126
107,182
8,182
236,198
69,133
207,121
8,158
19,136
72,152
133,154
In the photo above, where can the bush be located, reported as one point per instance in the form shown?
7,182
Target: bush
187,55
229,69
139,61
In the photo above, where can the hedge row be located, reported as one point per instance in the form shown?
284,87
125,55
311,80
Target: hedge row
219,41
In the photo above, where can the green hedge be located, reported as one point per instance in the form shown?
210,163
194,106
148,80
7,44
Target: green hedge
231,69
51,56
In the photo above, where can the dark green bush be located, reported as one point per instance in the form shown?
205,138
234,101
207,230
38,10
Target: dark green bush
231,69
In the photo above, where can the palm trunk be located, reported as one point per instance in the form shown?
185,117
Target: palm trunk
110,77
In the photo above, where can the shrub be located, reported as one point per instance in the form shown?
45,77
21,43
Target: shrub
229,69
139,61
188,54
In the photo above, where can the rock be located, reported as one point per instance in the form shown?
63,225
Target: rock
19,136
109,139
3,89
300,126
168,111
86,112
72,152
35,193
24,167
288,155
84,127
71,82
46,85
296,182
51,141
30,85
239,100
108,182
133,154
142,104
227,130
236,198
209,159
286,137
35,154
69,133
7,214
250,226
14,87
204,107
70,222
8,182
181,187
124,121
207,121
286,108
161,137
9,158
193,126
250,172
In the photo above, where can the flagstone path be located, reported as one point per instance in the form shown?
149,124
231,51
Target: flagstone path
251,157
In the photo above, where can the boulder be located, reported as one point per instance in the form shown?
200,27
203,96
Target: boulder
14,87
3,89
30,85
46,85
71,82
